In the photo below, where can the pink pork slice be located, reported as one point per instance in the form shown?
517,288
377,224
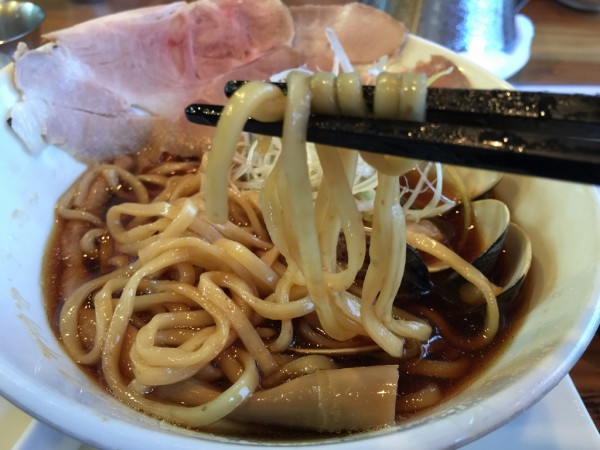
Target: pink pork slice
84,91
158,58
365,33
93,77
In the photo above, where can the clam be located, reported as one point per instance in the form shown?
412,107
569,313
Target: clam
517,259
476,182
515,262
504,251
416,279
491,218
505,257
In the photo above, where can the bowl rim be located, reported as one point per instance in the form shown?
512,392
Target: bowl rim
25,394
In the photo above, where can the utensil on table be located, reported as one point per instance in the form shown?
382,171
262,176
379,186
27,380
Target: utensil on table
19,22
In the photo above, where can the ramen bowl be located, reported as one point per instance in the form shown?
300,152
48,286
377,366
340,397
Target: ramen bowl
563,312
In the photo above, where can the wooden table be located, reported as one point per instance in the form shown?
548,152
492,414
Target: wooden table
566,46
565,50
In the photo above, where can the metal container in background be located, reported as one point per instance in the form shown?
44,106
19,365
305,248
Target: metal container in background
583,5
460,25
19,22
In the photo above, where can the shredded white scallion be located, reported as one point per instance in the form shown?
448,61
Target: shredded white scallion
438,203
433,78
378,66
253,166
338,51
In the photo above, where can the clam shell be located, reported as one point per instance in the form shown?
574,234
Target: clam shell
517,260
517,246
477,182
416,279
491,218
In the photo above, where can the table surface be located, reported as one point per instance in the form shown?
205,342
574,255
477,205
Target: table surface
565,51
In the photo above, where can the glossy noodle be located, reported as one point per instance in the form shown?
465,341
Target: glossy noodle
206,304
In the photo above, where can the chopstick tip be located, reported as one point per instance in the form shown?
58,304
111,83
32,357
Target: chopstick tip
203,114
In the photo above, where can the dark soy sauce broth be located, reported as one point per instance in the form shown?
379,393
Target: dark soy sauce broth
465,321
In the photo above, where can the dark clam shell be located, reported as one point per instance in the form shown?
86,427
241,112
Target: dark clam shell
508,273
505,258
491,218
415,281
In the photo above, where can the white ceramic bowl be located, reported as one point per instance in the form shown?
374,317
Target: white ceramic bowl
562,219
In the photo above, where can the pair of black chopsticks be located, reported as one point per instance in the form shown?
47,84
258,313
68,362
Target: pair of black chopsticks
539,134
